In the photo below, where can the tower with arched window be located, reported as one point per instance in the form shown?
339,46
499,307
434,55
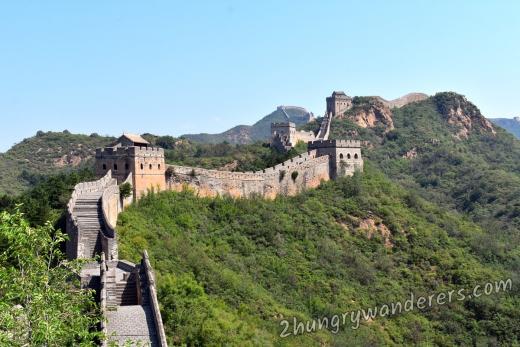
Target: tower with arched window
344,155
131,158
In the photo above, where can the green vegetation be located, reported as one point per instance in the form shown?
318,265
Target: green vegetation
40,304
46,153
125,190
478,176
47,200
224,156
229,270
434,211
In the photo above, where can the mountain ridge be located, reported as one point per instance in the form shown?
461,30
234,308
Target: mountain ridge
260,131
510,124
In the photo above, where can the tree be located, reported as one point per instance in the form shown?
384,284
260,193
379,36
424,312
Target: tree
40,300
125,190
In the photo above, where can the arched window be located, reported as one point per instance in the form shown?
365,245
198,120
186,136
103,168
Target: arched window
142,167
104,166
355,156
150,166
341,156
126,166
115,167
348,155
159,166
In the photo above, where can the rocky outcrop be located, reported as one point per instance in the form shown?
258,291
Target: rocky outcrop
370,112
462,114
371,228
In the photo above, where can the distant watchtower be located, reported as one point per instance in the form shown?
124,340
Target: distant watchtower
283,135
131,154
338,103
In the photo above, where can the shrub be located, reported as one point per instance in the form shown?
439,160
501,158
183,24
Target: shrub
294,175
125,190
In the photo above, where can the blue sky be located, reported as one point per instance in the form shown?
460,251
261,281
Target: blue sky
174,67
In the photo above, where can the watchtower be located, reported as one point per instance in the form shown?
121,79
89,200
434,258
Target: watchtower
338,103
344,155
131,154
283,135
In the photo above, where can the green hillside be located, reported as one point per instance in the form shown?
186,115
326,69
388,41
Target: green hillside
44,154
478,176
435,210
230,270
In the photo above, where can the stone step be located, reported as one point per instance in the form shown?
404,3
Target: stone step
134,323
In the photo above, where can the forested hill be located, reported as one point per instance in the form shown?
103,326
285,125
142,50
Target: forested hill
436,209
44,154
446,151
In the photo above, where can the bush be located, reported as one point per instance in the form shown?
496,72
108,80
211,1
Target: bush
38,304
294,175
125,190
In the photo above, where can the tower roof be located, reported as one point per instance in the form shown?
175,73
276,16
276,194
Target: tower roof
128,139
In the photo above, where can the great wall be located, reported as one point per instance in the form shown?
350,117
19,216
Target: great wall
125,291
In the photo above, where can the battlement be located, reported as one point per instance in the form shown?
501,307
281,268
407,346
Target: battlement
334,143
132,151
283,124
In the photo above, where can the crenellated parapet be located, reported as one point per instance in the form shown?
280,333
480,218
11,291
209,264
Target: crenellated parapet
145,164
334,143
133,151
291,177
344,155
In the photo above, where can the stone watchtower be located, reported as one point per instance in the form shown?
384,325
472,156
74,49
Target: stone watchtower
338,103
131,158
344,155
283,135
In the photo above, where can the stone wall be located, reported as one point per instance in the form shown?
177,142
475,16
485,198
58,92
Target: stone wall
154,302
74,247
288,178
111,206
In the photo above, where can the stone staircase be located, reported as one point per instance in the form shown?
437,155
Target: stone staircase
90,222
127,299
123,292
129,314
133,323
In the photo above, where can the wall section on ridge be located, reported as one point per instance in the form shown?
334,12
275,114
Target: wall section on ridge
288,178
